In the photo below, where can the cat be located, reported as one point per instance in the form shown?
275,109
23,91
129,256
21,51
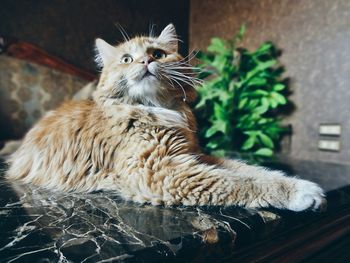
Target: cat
137,136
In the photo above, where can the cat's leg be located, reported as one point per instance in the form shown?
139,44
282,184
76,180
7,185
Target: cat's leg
230,164
304,190
186,180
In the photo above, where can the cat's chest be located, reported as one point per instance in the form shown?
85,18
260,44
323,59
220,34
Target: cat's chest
130,116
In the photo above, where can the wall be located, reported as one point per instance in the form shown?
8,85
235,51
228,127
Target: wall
68,29
314,37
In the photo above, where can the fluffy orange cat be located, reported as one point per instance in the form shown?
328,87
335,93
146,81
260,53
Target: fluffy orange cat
138,137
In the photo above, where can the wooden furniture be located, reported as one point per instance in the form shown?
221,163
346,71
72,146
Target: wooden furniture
29,52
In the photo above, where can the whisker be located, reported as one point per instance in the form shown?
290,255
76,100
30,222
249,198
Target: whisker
183,90
181,72
189,81
170,81
151,30
183,76
180,66
184,61
190,55
123,32
194,71
172,84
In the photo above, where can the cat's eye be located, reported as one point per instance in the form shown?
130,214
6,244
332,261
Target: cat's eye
127,59
158,54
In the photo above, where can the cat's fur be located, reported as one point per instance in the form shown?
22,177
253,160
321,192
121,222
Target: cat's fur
137,137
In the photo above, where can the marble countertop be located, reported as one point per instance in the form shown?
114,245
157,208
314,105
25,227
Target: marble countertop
41,226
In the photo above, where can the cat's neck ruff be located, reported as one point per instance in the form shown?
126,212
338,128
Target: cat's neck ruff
165,116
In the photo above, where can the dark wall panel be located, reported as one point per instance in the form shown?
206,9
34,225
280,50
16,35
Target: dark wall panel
67,28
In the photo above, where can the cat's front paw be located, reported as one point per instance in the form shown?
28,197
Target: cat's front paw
306,195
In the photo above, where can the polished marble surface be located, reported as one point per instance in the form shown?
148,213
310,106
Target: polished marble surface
37,225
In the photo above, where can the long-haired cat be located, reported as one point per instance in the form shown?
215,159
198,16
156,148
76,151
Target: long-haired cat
138,137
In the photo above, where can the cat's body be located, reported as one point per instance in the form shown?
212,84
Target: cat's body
138,137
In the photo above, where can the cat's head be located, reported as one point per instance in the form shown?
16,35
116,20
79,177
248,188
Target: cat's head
145,70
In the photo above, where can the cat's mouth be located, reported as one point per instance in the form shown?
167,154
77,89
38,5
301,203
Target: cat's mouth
147,74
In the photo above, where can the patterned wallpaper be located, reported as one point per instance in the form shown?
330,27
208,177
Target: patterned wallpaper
27,91
315,39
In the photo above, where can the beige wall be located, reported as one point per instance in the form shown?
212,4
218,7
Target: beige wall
315,38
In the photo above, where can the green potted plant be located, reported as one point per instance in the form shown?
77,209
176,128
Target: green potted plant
239,103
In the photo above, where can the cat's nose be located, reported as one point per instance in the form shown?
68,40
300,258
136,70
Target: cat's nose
146,60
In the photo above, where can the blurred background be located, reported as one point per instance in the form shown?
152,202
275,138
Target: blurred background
313,38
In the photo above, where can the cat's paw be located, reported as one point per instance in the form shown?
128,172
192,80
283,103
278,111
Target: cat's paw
306,195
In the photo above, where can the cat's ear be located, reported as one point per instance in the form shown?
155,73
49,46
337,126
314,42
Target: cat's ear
105,52
169,37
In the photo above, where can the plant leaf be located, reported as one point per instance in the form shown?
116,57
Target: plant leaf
265,152
249,143
219,112
217,45
242,103
265,47
279,87
266,140
261,109
279,98
213,144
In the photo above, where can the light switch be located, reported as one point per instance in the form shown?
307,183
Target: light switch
330,129
329,145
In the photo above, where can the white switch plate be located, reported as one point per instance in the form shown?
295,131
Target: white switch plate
330,129
329,145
